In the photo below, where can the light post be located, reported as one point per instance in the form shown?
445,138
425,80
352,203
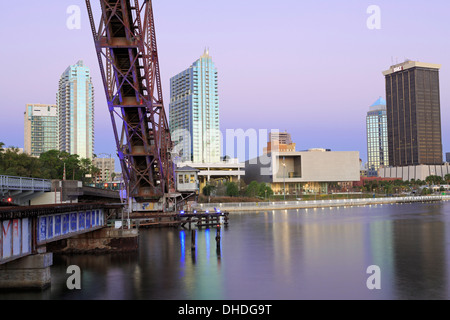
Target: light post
284,178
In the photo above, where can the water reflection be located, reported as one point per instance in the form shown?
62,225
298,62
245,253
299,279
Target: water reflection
295,254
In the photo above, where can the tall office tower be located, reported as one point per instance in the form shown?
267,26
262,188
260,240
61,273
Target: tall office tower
413,114
194,112
41,129
75,100
377,137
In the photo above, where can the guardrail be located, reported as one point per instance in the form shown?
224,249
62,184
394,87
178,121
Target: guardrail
21,183
314,203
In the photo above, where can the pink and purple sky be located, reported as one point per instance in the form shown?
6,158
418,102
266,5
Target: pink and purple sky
312,68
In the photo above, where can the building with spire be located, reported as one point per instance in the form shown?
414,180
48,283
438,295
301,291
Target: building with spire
194,112
377,137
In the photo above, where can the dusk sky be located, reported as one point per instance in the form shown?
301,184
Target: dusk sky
312,68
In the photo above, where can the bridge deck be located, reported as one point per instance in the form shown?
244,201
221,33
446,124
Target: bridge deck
25,229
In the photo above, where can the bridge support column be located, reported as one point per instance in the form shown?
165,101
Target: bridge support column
28,273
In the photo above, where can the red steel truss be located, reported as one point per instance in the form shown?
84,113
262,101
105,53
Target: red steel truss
128,57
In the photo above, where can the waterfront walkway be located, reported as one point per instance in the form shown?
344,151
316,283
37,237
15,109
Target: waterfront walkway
286,205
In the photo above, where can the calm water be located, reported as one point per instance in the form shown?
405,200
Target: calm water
289,255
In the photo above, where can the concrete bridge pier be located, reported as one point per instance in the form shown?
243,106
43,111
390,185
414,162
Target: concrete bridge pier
27,273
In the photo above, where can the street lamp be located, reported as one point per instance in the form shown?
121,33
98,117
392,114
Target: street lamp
284,177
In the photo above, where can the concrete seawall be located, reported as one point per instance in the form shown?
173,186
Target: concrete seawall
288,205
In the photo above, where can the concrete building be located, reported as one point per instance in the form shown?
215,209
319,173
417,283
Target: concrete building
413,114
377,137
295,173
106,166
419,172
41,129
194,112
75,101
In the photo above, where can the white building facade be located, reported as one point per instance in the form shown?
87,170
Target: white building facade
312,171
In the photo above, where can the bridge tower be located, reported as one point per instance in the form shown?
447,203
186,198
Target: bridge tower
125,41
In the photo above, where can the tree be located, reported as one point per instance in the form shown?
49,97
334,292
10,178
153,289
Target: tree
264,190
15,164
208,190
447,178
252,189
232,189
434,180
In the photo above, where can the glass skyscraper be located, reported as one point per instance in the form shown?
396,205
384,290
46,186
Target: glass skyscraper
377,137
194,112
75,100
41,129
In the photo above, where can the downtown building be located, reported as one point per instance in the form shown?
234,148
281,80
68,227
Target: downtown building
41,129
377,137
414,121
106,167
312,171
279,142
194,112
195,126
75,101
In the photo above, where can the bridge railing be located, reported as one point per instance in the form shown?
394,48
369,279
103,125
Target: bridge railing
21,183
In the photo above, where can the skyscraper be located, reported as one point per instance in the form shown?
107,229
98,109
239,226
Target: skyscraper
194,112
377,138
75,100
413,114
41,129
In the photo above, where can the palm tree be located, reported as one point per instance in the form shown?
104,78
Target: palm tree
447,178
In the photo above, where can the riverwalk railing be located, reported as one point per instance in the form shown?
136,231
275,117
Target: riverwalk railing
24,184
282,205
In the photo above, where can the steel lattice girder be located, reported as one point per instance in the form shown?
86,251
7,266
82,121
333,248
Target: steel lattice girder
128,57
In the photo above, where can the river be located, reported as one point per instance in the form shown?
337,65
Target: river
276,255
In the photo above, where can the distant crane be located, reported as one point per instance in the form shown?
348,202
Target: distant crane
127,53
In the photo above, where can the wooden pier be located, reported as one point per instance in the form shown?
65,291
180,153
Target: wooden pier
180,220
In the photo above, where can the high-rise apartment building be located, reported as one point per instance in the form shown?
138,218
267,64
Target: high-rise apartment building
413,114
75,100
106,166
194,112
41,129
377,137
